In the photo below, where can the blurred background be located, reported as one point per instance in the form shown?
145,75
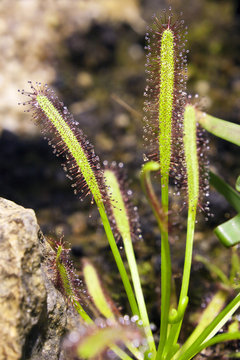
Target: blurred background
92,53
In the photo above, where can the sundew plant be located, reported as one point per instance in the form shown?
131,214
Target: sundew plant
176,150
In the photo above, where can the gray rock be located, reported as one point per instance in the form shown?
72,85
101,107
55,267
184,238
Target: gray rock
32,312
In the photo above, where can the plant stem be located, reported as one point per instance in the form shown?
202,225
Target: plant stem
118,259
183,299
187,265
188,252
166,272
139,294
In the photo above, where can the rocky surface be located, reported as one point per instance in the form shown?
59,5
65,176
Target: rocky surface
32,312
30,37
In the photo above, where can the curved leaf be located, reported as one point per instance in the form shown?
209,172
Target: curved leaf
226,190
237,185
96,292
229,232
224,129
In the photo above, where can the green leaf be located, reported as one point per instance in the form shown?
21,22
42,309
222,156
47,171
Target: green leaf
235,266
221,128
215,270
70,140
220,339
120,213
208,315
226,190
118,205
234,326
191,156
237,185
97,339
211,330
229,232
65,278
95,290
166,100
234,355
